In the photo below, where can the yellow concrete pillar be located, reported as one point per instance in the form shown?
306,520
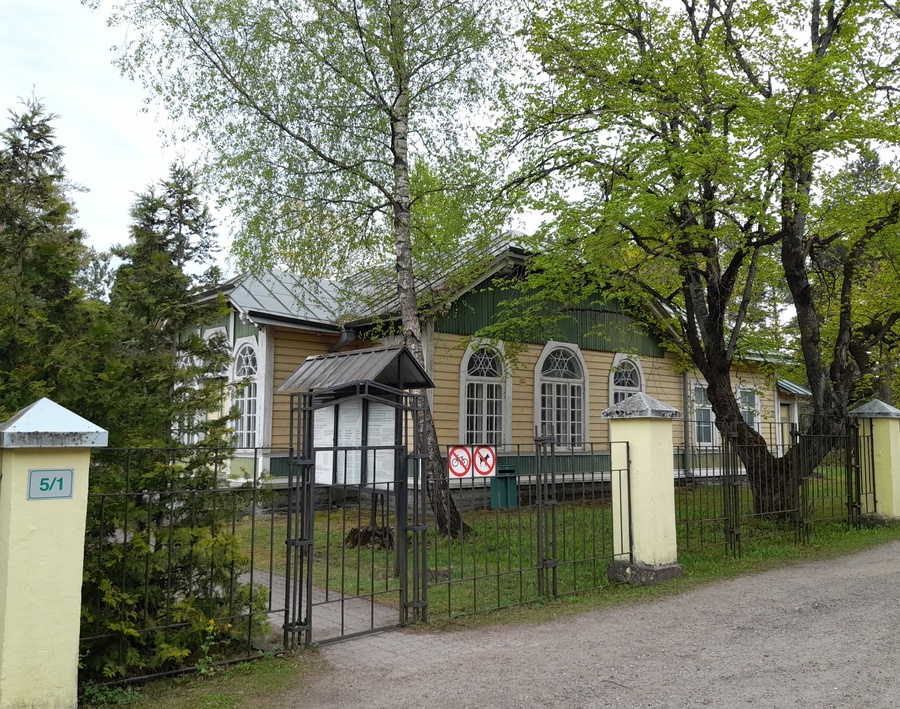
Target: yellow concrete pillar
640,434
45,453
885,430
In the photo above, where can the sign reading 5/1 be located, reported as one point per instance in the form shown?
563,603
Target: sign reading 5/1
50,484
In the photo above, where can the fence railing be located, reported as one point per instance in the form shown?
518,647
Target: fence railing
181,564
187,562
543,527
737,493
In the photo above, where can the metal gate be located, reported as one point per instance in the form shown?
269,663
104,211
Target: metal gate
356,521
583,517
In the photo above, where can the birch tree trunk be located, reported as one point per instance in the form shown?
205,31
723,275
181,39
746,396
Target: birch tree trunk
437,483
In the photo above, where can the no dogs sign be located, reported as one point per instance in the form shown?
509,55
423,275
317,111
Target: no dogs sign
484,461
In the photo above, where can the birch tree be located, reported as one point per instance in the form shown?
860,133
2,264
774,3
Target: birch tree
314,113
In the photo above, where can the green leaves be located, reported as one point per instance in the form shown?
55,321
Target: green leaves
683,152
297,104
42,351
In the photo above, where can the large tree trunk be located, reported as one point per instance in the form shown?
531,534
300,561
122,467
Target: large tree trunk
437,480
774,480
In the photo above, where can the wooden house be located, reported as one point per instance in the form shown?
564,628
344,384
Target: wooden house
556,387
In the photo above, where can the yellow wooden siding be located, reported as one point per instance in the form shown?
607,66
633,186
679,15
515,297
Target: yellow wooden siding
292,347
662,379
448,353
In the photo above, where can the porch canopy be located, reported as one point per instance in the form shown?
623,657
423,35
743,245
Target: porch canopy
383,372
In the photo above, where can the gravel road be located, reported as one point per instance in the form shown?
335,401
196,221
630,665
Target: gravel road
825,634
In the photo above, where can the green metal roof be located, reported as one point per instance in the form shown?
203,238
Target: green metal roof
786,385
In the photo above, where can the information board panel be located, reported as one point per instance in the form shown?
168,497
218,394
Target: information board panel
341,425
382,423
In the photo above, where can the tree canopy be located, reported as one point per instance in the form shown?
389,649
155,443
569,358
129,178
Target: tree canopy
44,326
335,128
694,157
167,371
315,112
696,162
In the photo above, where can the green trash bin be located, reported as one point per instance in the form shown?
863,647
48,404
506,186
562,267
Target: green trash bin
504,488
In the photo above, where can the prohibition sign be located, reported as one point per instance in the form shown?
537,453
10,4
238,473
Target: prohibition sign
459,461
485,460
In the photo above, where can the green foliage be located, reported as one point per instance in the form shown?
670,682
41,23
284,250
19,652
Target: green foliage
157,552
863,236
687,156
162,573
300,118
163,570
100,695
165,363
46,332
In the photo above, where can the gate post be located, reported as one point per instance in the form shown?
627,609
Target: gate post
45,455
646,425
885,420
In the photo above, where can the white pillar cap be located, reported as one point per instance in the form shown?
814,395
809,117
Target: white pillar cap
46,424
641,405
875,409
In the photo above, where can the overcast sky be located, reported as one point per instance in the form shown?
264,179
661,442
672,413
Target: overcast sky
59,50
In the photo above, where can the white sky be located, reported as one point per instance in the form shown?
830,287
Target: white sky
59,50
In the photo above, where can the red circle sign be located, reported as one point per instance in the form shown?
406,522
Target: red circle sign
485,460
459,460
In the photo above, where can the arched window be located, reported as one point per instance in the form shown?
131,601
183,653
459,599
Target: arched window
245,368
484,396
625,379
562,395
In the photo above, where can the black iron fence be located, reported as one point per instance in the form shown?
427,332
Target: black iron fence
198,556
734,492
542,527
182,563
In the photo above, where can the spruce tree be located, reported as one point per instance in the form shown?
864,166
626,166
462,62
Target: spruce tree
178,566
44,328
168,364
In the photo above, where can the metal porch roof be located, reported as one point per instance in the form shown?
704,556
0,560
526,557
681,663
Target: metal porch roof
786,385
390,366
281,295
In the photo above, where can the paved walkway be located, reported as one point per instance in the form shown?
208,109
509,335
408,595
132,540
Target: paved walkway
334,615
814,635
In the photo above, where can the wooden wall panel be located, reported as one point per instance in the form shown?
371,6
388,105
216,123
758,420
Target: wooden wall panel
292,347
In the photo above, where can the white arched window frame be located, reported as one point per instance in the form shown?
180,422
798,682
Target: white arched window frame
246,369
561,394
626,377
210,334
485,395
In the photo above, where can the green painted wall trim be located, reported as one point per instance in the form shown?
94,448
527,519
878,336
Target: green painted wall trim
242,329
595,326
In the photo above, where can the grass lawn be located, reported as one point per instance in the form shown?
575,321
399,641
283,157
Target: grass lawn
492,567
496,566
255,685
